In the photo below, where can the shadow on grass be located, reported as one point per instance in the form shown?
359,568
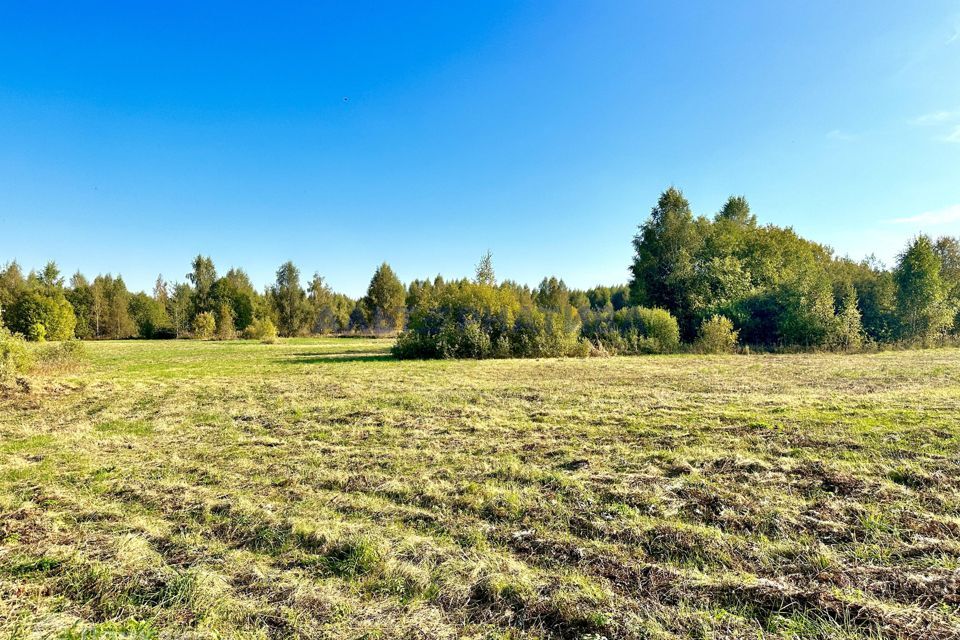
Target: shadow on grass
336,354
334,359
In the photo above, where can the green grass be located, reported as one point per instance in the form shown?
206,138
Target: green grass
319,489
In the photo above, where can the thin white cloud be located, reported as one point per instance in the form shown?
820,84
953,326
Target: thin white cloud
935,117
938,216
842,136
954,136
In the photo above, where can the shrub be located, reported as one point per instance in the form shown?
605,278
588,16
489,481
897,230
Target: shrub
478,320
261,329
717,335
632,330
225,326
37,332
661,328
41,316
204,325
14,357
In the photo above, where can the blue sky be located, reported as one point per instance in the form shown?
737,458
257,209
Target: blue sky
133,137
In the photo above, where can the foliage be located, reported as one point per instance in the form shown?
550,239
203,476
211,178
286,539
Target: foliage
150,317
226,330
484,271
204,325
329,311
921,305
465,319
178,308
384,306
716,335
80,297
632,330
203,277
111,308
780,291
14,356
41,314
289,302
261,329
236,292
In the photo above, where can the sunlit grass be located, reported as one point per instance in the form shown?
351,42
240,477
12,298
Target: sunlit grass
318,488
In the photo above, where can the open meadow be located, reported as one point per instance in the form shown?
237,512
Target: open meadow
318,488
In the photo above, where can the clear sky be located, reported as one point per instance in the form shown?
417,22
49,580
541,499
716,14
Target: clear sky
133,137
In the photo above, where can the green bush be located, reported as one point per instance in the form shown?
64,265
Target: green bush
14,356
261,329
716,335
478,320
37,332
632,330
41,316
204,326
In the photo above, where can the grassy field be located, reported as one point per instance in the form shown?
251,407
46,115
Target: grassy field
319,489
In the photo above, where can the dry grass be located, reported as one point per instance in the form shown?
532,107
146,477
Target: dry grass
318,489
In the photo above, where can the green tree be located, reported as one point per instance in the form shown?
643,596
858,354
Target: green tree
111,307
236,290
552,294
920,292
178,308
329,311
149,316
50,276
948,250
204,325
289,301
226,330
38,314
202,277
484,272
80,296
11,282
385,302
666,249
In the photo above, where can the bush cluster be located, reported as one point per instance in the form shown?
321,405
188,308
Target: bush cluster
632,330
261,329
479,320
14,357
716,335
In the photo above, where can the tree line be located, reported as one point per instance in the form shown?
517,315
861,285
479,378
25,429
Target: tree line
43,305
714,282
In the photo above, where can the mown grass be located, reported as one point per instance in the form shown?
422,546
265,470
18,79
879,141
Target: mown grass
316,488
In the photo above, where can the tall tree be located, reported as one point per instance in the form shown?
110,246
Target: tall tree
289,300
178,308
920,292
80,296
203,276
11,281
50,276
552,294
948,250
385,302
161,292
236,291
664,263
484,272
326,307
112,308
